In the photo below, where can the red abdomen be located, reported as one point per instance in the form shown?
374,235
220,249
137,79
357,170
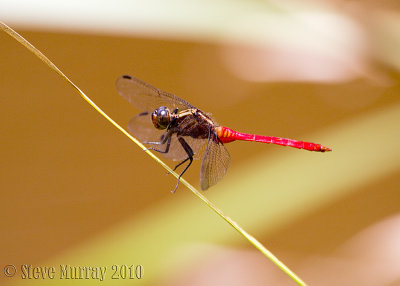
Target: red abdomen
227,135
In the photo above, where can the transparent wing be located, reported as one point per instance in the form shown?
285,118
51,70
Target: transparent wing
215,163
142,128
146,97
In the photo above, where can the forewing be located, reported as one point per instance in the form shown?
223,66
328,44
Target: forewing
143,129
215,163
146,97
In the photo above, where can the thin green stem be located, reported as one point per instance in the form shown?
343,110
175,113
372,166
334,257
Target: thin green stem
249,237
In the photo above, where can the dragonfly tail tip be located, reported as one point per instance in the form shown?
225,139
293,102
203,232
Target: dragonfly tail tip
325,149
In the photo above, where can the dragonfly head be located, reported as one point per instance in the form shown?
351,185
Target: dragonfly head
161,117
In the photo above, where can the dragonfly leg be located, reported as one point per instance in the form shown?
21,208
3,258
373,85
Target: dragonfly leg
190,154
176,167
166,139
179,165
162,141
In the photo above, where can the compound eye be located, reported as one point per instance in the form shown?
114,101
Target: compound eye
161,117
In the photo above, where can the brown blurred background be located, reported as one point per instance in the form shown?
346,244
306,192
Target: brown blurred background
76,191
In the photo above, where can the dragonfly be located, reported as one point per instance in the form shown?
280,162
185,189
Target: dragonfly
182,132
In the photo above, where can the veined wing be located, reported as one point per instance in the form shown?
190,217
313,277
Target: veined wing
147,97
215,163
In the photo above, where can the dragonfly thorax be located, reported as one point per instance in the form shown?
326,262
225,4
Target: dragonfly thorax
161,117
